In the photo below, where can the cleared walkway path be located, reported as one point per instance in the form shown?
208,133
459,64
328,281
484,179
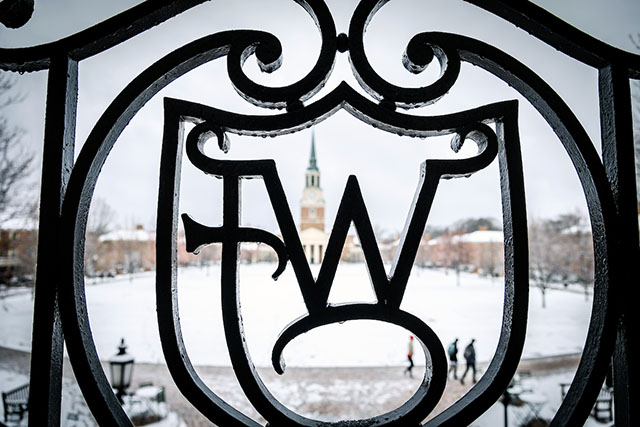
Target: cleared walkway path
323,393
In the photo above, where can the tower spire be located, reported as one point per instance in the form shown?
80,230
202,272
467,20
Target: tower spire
312,158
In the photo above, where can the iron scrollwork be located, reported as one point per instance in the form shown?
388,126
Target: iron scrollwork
493,128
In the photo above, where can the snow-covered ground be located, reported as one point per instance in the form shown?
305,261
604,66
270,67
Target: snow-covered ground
545,398
126,308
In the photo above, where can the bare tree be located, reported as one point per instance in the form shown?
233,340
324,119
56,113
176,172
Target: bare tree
581,261
490,258
101,217
100,221
543,253
469,225
560,251
454,252
15,159
18,205
18,246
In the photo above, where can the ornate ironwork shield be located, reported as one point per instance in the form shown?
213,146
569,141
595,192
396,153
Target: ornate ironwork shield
212,123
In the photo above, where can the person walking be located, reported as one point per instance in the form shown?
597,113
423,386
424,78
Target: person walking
470,357
453,359
410,357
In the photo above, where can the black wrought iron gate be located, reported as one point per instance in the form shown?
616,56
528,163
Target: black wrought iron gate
67,188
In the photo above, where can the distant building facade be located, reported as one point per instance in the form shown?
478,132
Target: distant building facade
479,251
125,251
18,250
128,251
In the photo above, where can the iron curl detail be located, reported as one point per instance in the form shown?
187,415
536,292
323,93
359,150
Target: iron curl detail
420,52
268,52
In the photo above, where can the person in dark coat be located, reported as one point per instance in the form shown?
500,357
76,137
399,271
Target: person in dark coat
470,357
410,357
453,359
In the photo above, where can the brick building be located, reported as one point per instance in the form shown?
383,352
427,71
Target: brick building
124,251
18,249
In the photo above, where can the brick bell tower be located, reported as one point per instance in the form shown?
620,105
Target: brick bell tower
312,202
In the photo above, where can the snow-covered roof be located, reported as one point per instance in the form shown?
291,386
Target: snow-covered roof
478,236
482,236
128,235
19,223
577,229
434,241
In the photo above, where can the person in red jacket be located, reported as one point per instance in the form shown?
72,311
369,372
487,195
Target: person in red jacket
410,357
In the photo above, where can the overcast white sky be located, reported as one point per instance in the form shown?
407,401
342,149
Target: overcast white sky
386,165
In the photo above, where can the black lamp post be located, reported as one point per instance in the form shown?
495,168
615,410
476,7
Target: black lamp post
121,366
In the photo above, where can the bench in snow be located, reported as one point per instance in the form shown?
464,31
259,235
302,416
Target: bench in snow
15,402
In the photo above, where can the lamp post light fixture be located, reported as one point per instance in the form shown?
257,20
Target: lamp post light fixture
121,366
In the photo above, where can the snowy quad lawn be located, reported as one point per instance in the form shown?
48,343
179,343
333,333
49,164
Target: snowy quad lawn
125,307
